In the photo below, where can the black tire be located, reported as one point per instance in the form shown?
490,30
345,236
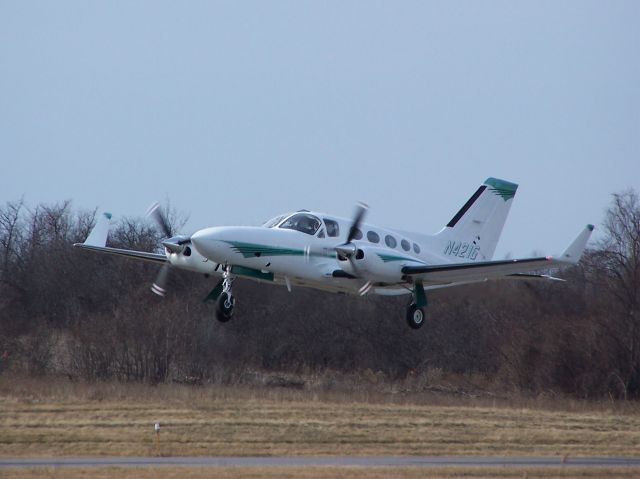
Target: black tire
224,307
415,316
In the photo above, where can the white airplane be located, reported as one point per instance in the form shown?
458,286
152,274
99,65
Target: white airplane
326,252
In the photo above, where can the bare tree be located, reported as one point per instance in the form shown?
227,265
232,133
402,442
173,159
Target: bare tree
615,270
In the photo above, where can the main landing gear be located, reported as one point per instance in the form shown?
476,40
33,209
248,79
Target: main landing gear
415,316
415,311
226,301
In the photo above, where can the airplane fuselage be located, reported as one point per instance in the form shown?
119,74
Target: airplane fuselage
309,258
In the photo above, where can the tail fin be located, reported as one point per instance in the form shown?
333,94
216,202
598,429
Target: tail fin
474,231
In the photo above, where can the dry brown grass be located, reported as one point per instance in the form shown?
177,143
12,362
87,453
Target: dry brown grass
68,419
317,472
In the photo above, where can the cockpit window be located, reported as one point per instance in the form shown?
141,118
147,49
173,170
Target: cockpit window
274,221
333,229
303,222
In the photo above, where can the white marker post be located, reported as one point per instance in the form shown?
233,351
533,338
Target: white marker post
156,428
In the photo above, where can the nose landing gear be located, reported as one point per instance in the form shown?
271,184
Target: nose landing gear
226,300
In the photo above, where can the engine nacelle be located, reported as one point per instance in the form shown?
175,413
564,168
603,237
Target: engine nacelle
376,264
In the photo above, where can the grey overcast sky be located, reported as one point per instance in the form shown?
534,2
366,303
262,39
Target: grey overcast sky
237,111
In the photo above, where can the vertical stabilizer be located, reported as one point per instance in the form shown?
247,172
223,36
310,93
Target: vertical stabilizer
473,233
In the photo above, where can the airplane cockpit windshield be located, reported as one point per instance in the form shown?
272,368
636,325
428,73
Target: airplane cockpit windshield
273,222
303,222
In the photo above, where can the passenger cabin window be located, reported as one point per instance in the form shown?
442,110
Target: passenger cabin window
333,229
416,248
373,237
390,241
321,234
274,221
358,235
405,245
303,222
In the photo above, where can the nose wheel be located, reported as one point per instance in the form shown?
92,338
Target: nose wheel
226,300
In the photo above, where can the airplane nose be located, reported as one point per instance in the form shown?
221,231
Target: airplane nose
208,243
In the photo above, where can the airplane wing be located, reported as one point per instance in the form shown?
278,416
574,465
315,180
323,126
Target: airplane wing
502,269
97,240
143,255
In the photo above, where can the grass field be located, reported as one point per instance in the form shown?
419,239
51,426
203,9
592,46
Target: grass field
113,419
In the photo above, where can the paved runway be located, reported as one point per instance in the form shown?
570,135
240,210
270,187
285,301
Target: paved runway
309,461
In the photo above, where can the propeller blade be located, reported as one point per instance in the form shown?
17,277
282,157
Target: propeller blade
361,210
347,250
365,288
155,211
159,286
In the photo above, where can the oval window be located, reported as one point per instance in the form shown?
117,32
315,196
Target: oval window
405,245
373,237
416,248
358,235
390,241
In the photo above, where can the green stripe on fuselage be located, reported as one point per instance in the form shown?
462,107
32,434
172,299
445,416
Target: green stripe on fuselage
250,250
387,258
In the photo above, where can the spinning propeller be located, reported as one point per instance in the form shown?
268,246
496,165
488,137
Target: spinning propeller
348,250
175,244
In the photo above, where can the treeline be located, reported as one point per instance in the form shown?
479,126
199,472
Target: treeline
91,316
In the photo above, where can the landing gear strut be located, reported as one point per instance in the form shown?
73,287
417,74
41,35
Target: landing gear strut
226,301
415,311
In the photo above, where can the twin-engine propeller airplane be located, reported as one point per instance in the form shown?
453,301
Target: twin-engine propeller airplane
339,255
